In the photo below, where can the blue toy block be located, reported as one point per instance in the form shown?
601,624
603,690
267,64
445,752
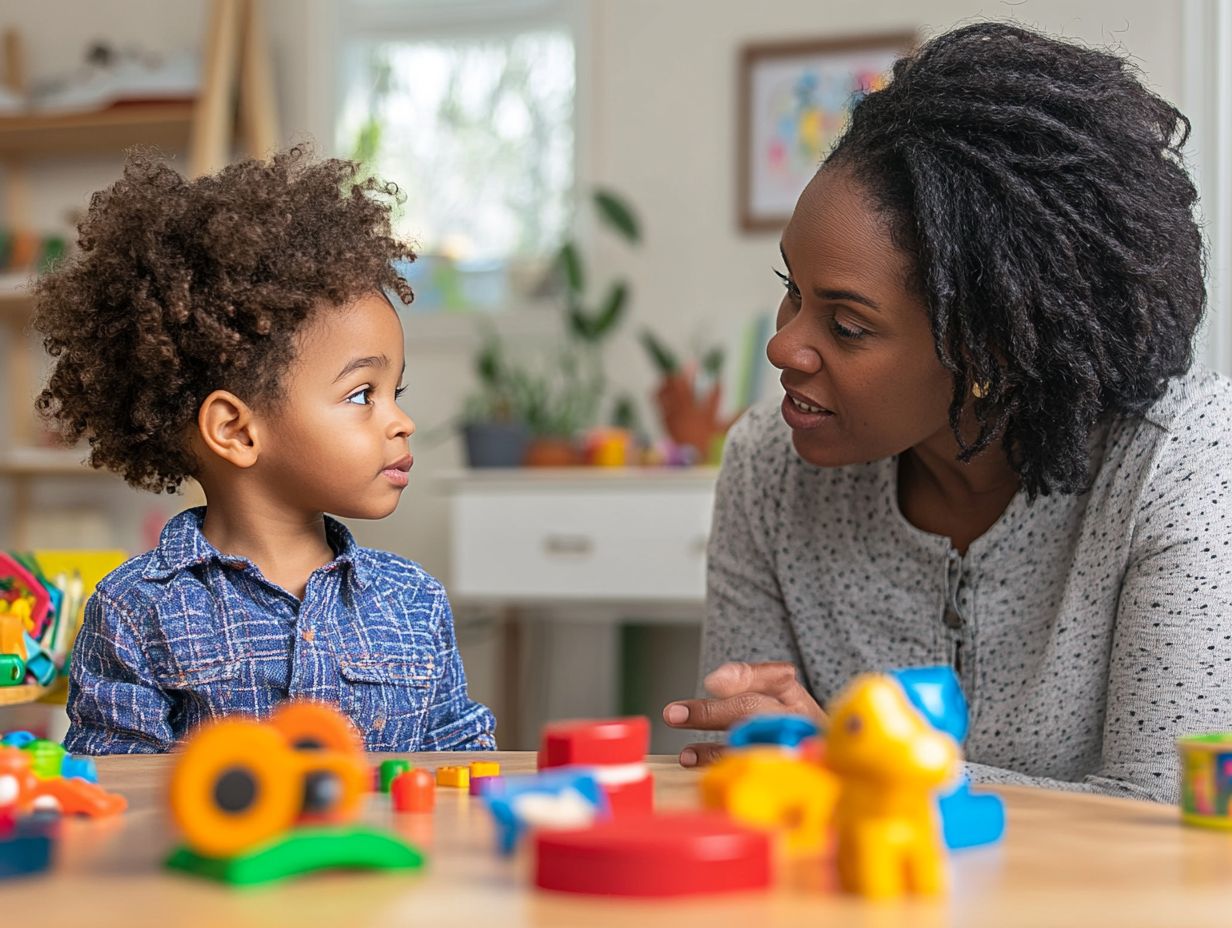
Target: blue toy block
17,739
967,819
936,692
25,848
510,802
783,730
38,664
971,820
78,768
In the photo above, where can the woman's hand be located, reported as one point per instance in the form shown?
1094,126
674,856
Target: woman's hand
740,690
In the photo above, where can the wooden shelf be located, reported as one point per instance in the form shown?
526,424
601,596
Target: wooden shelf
16,695
16,301
165,125
43,462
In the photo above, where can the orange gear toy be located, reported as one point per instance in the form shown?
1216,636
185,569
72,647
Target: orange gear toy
242,792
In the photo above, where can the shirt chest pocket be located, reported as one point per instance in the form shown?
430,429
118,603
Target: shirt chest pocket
387,696
202,676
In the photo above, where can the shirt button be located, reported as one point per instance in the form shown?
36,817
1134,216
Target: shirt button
952,619
308,634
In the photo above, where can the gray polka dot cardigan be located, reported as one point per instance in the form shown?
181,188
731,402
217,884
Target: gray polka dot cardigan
1089,631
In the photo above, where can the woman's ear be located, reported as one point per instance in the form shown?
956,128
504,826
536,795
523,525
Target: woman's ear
229,429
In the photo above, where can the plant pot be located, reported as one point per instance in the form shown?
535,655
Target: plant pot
495,444
553,452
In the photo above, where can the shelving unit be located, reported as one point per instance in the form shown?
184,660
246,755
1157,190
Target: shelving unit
235,67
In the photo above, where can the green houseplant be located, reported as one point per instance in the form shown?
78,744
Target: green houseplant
541,407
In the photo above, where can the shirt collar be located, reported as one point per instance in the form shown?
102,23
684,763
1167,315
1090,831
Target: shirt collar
182,545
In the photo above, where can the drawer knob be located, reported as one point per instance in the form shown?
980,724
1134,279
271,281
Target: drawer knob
568,544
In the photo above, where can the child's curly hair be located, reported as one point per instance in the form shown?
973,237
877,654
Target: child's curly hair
182,287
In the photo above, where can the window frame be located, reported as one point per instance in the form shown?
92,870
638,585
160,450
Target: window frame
339,23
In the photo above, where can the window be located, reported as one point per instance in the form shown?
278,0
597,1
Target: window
472,116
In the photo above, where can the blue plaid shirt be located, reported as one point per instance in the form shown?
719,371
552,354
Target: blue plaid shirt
185,633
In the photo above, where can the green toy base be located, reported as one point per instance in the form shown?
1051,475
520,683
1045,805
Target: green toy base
303,851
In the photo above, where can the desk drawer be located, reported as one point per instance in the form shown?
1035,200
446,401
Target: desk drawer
550,543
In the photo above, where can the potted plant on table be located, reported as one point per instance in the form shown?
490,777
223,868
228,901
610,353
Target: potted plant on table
536,412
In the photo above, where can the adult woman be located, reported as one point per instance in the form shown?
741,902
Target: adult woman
997,451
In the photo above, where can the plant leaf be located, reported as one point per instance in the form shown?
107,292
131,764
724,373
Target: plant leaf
664,359
618,214
712,363
571,264
612,310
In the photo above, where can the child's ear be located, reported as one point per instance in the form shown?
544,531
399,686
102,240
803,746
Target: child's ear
229,429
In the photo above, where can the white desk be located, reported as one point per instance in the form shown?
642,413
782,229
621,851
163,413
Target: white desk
586,548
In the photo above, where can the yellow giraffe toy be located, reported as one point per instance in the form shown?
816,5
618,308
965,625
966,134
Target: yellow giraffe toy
890,763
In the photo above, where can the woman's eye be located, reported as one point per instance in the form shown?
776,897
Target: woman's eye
792,290
360,397
398,392
843,331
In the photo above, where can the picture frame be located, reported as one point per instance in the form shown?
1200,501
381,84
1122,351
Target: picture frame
795,97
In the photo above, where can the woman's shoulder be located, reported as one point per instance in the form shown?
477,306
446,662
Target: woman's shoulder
1182,440
1199,400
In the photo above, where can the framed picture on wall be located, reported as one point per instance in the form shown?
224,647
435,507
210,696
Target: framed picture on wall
794,102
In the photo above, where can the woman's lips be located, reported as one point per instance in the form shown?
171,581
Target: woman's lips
801,418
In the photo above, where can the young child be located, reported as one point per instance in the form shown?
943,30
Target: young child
235,329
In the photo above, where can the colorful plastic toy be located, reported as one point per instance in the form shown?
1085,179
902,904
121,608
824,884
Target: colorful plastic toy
17,739
390,770
566,797
413,791
484,768
669,854
768,788
26,845
26,841
786,731
614,749
967,819
456,777
1206,779
890,762
53,793
243,790
481,786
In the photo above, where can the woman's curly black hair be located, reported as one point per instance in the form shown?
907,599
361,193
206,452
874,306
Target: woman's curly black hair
182,287
1041,188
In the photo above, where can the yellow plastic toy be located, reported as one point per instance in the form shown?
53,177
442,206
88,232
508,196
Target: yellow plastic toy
770,788
457,777
890,763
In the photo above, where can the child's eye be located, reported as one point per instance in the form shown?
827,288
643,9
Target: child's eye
792,290
843,331
360,396
399,391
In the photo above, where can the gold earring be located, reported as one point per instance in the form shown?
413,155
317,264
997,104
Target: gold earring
980,390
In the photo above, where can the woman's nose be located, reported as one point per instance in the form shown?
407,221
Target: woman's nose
790,348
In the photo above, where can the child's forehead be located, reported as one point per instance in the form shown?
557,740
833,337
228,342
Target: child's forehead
369,327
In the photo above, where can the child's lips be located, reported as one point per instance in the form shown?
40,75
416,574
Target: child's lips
397,472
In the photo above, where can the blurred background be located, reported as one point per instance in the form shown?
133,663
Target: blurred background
595,189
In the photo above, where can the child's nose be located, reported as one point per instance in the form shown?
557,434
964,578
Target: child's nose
402,426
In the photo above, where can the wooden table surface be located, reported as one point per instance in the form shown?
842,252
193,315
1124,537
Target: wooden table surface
1067,859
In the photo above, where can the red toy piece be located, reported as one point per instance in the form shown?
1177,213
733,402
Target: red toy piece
614,748
672,854
413,791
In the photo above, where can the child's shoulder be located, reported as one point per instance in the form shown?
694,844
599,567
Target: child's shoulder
128,587
396,575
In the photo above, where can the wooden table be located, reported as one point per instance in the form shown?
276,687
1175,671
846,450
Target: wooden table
1068,859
